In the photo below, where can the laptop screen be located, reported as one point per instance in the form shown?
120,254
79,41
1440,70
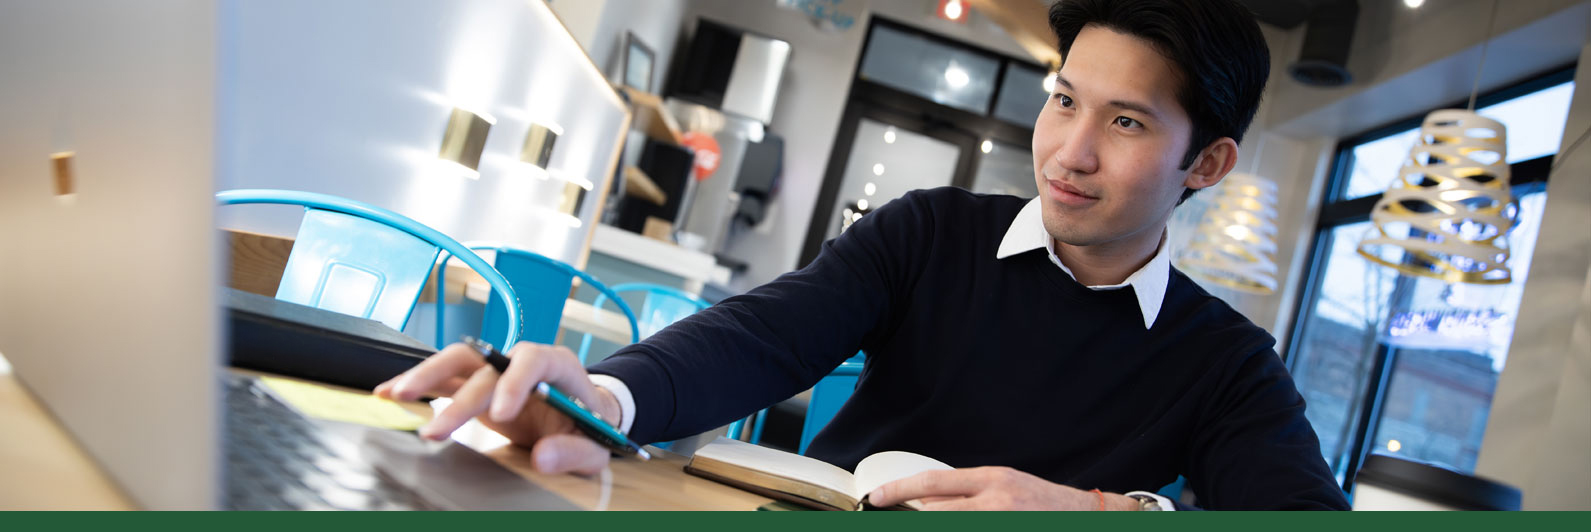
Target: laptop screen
108,257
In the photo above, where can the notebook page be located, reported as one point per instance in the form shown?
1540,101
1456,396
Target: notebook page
888,466
779,463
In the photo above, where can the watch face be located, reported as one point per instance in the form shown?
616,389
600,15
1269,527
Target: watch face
1146,503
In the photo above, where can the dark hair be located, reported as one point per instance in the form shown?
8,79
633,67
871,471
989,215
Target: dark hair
1216,45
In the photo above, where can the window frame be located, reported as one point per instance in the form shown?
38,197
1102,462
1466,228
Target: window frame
1528,175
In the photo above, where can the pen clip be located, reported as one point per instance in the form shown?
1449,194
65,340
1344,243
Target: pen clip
482,346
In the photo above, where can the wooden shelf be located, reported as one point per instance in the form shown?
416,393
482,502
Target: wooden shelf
651,118
640,185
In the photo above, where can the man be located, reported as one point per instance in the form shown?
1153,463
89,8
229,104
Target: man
1046,347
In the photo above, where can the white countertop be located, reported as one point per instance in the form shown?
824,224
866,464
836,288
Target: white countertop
658,255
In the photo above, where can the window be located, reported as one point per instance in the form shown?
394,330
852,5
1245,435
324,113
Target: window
1022,95
942,73
1407,365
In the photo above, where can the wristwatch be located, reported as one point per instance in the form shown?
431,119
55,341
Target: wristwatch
1146,502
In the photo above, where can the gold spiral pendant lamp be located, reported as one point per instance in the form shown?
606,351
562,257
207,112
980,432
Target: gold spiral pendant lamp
1234,242
1449,213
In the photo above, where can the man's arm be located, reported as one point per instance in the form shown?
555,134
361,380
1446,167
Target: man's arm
1253,448
756,349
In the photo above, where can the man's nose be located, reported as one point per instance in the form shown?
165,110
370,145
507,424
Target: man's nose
1076,153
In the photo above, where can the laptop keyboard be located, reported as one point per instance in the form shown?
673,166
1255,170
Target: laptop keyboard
278,460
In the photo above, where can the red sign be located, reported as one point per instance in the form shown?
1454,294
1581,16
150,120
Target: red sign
707,153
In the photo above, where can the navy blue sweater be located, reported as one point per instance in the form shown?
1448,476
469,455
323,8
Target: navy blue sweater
981,361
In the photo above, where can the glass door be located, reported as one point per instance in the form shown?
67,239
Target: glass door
885,163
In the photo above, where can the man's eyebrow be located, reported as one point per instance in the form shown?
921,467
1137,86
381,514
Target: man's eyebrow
1060,81
1134,106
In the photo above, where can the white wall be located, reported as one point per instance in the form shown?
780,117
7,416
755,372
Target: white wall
1539,434
657,23
350,98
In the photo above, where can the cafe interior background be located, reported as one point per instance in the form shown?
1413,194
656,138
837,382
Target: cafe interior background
812,113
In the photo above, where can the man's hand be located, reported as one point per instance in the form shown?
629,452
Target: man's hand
502,402
992,488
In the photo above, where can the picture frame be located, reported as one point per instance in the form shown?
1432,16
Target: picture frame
638,64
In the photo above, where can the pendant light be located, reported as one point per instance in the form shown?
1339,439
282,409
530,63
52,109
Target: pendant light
1448,213
1235,240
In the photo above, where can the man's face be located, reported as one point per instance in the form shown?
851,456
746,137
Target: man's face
1107,145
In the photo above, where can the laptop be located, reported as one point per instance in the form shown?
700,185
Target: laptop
111,311
134,370
276,459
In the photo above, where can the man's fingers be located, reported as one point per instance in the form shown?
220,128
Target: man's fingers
457,360
532,364
943,483
956,504
568,453
445,389
527,366
469,400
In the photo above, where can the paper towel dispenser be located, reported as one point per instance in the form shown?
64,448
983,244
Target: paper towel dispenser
731,70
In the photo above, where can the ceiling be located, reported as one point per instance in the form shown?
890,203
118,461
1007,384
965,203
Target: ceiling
1285,14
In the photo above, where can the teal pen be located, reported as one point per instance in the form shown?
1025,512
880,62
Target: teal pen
587,421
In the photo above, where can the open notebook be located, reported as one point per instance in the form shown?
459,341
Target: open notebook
802,480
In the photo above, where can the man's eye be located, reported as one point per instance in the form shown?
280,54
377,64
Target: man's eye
1128,122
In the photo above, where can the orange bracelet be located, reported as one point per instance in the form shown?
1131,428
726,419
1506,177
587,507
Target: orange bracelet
1101,499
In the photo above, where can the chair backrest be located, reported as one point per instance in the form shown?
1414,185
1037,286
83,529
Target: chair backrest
828,396
661,306
543,283
359,259
355,266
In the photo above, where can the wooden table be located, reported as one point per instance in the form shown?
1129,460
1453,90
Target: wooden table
658,484
44,469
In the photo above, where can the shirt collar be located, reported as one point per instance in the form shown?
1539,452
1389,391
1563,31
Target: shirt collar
1027,233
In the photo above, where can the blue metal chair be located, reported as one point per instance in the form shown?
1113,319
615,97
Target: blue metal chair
828,396
661,307
543,284
362,260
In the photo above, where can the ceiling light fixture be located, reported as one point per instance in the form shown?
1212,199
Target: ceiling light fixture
1233,244
1448,214
956,77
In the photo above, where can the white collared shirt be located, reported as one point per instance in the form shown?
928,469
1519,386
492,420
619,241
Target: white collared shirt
1027,233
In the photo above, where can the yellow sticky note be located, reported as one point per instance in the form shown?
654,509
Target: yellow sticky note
338,405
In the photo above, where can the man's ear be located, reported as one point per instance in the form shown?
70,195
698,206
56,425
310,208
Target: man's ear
1214,162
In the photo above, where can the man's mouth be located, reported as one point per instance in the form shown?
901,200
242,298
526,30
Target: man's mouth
1068,194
